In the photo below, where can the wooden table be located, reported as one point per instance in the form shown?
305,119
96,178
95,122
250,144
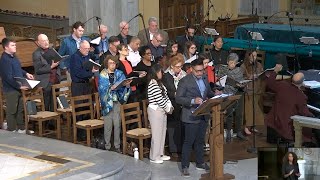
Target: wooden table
302,121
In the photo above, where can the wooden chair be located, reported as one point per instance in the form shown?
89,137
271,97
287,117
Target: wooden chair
131,114
63,88
145,113
82,105
36,95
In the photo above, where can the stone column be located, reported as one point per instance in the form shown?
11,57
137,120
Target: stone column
112,12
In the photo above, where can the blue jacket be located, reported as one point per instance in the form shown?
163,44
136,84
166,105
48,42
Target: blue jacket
108,96
78,72
68,47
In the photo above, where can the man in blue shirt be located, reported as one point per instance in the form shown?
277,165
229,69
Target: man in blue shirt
10,67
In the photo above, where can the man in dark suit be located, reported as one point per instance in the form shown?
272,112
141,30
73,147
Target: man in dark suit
189,36
192,91
151,30
124,36
47,72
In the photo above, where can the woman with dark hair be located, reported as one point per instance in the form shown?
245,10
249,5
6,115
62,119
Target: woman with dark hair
209,70
144,66
172,48
189,50
126,67
170,80
219,55
290,167
251,68
111,98
158,108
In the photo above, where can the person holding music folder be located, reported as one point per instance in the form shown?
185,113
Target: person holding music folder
155,45
111,98
233,86
126,67
46,71
251,68
190,49
134,57
10,67
192,91
290,167
124,36
144,66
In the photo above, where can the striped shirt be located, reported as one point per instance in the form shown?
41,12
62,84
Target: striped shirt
155,96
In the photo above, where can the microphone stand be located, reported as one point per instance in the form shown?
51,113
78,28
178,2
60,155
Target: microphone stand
129,22
145,30
296,58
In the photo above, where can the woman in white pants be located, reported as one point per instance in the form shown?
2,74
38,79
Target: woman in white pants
159,106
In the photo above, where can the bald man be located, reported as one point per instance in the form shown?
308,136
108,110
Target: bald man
124,36
46,71
81,76
289,101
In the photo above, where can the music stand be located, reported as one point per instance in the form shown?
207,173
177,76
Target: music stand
214,107
211,31
309,41
256,36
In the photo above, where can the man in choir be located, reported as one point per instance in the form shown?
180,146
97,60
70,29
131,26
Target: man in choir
189,36
151,30
289,100
155,46
192,91
46,71
80,75
113,43
134,56
103,45
124,36
71,44
10,67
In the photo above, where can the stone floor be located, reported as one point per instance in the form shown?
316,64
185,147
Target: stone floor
29,157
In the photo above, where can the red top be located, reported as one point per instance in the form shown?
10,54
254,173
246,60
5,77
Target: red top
129,69
211,75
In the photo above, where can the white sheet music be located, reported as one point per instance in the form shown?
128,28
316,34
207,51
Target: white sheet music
311,84
313,108
222,81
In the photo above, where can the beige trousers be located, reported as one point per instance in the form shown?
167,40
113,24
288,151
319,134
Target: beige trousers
158,123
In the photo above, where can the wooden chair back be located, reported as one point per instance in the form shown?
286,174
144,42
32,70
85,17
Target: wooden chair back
35,95
63,88
82,105
130,114
97,106
145,103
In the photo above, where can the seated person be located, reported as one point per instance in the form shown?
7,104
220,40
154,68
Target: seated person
234,74
289,101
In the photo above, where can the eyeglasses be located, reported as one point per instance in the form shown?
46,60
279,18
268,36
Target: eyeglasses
178,67
148,54
198,70
111,62
193,47
158,40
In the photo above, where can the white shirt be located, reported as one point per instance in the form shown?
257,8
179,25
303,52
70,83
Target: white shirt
151,35
134,57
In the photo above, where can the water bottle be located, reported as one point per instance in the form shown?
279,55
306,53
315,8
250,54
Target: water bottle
136,153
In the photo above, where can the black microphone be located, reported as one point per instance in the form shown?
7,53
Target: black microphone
97,18
186,18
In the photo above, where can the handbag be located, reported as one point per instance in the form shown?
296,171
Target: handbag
31,108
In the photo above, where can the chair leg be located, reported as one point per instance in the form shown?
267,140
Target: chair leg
40,128
88,137
124,145
140,149
69,126
58,128
74,134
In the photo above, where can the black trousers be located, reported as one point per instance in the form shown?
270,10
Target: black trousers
48,101
174,129
236,111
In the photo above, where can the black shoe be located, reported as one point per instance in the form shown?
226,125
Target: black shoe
241,136
185,172
228,138
203,167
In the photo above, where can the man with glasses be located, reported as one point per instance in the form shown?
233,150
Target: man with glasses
192,90
113,43
189,36
151,30
124,36
154,45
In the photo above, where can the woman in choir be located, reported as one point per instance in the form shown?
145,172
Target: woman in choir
158,108
111,99
189,51
172,48
209,69
219,55
170,80
251,68
144,66
290,167
126,67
